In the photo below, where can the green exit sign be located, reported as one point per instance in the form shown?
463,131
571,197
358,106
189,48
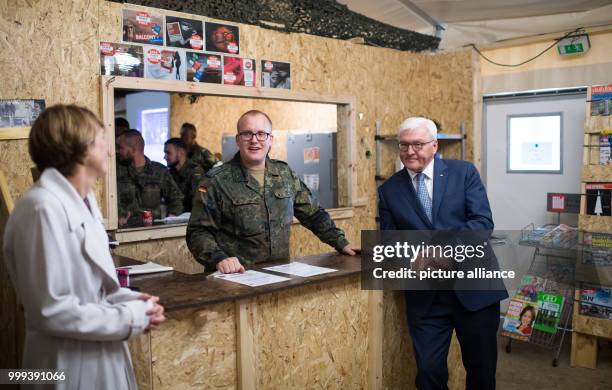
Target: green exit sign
578,44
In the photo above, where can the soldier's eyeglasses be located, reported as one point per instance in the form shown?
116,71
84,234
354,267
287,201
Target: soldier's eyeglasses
417,146
248,135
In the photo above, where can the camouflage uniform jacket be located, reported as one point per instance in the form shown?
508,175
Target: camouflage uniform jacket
201,156
143,190
232,217
187,179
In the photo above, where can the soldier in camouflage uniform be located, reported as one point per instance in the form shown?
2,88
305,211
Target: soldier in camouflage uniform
142,183
196,153
186,173
243,209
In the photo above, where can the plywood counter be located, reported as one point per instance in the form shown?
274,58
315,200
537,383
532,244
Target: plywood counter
302,333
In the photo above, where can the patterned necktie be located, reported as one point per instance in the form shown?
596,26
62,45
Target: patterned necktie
423,195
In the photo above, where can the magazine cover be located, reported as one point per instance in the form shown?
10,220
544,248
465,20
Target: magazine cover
222,38
596,301
599,198
597,249
549,312
163,63
184,33
239,71
605,147
599,107
119,59
530,286
204,67
519,320
20,112
275,74
142,27
601,98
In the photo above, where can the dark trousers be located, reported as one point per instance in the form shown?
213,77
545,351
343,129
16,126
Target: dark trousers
477,335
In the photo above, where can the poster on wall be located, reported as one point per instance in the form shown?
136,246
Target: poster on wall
222,38
184,33
311,155
119,59
143,27
19,112
275,74
599,199
204,67
163,63
239,71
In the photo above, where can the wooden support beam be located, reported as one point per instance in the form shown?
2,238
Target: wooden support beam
375,340
245,350
584,351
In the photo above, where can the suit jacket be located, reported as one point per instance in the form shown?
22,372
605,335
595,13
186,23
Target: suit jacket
459,203
77,316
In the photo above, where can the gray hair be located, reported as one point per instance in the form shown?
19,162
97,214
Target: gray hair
416,122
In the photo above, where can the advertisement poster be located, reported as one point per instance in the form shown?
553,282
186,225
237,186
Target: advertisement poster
520,319
163,63
222,38
184,33
143,27
20,112
312,182
275,74
599,199
119,59
549,312
204,67
239,71
311,155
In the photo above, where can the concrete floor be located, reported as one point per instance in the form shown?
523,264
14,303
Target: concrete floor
529,367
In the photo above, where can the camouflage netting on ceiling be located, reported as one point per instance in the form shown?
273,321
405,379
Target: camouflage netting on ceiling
325,18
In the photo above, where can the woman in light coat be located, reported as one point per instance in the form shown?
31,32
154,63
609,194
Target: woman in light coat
77,317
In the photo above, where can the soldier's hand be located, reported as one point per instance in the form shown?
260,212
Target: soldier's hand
230,265
124,220
351,250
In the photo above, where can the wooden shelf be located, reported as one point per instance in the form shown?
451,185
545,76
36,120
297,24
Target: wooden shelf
587,329
596,173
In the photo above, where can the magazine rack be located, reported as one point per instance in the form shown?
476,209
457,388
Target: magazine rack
551,272
596,169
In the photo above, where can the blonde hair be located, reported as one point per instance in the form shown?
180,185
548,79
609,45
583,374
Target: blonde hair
61,136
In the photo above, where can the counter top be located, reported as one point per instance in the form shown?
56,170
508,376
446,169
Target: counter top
179,291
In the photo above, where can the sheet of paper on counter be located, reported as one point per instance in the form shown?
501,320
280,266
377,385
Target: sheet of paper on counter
147,268
300,269
252,278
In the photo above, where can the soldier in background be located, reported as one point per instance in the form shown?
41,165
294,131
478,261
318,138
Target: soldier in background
196,153
243,210
121,126
186,173
142,183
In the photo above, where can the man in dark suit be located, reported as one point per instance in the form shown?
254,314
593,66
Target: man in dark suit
435,194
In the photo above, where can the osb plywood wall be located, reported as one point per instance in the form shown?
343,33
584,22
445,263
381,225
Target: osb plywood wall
389,86
215,116
313,337
195,349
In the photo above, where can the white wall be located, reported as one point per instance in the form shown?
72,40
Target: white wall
518,199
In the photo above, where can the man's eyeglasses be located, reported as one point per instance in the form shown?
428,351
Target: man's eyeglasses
248,135
417,146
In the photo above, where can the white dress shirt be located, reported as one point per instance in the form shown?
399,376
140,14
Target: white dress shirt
428,172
